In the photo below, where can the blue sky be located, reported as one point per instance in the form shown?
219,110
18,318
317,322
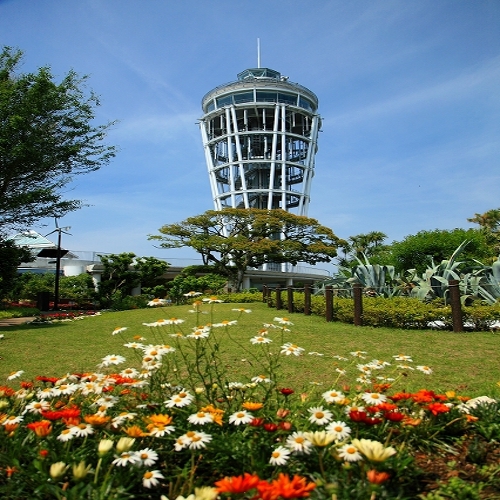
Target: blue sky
409,94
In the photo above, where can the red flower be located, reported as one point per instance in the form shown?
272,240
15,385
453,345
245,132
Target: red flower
286,392
257,422
357,416
285,426
6,392
43,453
238,484
52,380
394,416
26,385
437,408
270,427
284,487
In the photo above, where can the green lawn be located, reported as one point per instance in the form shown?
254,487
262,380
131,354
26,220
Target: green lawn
465,362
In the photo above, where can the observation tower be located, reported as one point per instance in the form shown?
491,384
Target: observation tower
260,137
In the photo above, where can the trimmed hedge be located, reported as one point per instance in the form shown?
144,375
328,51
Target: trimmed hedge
400,312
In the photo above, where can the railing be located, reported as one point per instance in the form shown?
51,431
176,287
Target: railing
453,286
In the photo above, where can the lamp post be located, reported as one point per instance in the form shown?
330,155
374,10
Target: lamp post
59,255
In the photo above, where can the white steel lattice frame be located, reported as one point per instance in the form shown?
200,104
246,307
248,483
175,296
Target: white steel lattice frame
260,154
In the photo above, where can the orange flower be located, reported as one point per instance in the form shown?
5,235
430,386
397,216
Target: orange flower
471,418
250,406
42,428
284,487
96,420
10,428
159,419
135,431
376,477
10,470
216,413
5,391
412,421
238,484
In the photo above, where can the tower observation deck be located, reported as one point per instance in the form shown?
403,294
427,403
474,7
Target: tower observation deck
260,139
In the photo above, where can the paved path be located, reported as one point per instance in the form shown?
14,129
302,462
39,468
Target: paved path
14,321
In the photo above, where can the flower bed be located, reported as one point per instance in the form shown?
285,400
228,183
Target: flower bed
173,421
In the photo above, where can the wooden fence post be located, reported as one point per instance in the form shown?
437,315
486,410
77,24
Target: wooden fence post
329,303
264,293
307,300
357,290
279,303
289,291
456,306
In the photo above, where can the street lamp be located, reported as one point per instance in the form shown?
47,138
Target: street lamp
59,253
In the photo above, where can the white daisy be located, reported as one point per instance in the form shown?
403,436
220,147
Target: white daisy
200,333
298,443
225,323
129,373
13,419
118,329
261,378
241,417
126,458
340,429
183,398
134,345
66,435
14,375
200,418
319,416
333,396
242,310
82,430
150,478
349,453
259,339
290,348
112,359
197,440
403,357
147,456
425,369
280,456
283,321
373,398
37,407
157,302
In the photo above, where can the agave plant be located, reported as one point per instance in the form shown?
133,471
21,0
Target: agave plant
484,283
380,280
434,281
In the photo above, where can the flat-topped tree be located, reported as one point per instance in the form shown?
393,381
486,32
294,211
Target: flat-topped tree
234,239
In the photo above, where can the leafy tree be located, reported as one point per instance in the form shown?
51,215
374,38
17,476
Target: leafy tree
362,246
11,257
489,223
186,282
235,239
419,250
47,136
124,272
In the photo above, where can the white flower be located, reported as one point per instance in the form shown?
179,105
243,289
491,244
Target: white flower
200,418
242,310
340,429
373,398
157,302
118,329
358,354
261,378
290,348
134,345
37,407
333,396
14,375
298,443
199,333
425,369
112,359
403,357
147,456
314,353
225,323
349,453
319,416
259,339
13,420
283,321
66,435
129,373
241,417
127,457
174,321
211,300
82,430
280,456
183,398
150,478
192,294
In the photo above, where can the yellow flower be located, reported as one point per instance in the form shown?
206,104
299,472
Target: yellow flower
58,470
373,450
320,438
80,471
124,444
135,431
104,447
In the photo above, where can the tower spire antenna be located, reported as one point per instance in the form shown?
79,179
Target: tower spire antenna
258,52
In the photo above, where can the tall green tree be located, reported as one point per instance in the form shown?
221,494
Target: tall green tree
489,223
417,251
11,257
47,136
234,239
